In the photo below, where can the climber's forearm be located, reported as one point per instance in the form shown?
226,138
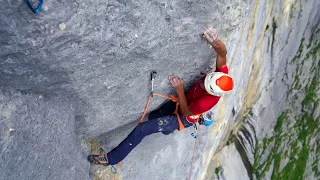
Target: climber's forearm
219,47
183,104
221,50
211,37
178,84
221,61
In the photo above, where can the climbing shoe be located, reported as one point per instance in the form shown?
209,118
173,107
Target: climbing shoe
101,159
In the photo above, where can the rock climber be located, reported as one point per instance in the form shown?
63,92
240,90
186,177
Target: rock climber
202,96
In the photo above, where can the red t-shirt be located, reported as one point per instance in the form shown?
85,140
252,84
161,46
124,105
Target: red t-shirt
199,101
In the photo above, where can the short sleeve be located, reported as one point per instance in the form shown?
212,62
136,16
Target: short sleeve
224,69
203,104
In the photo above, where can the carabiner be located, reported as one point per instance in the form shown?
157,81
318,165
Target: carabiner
193,135
113,170
153,76
36,11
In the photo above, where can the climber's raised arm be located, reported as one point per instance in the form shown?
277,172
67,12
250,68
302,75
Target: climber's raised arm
211,37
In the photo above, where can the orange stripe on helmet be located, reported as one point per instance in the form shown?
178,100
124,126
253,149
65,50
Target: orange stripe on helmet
225,83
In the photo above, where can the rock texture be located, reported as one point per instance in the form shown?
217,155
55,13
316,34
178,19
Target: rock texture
79,71
38,140
224,171
277,128
90,62
102,59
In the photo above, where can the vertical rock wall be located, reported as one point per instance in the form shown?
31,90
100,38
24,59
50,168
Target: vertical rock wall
277,127
89,61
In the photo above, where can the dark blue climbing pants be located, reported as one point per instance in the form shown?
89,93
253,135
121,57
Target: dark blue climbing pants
160,120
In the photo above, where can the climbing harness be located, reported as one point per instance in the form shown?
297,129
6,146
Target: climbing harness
37,10
172,98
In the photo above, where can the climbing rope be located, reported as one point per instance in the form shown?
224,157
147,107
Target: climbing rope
170,96
37,10
194,150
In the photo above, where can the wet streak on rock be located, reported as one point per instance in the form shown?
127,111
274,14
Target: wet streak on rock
242,153
252,128
247,136
274,27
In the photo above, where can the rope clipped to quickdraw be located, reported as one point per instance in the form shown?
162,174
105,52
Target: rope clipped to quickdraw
194,149
37,10
195,131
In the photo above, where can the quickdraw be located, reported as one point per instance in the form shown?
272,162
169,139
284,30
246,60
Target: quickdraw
37,10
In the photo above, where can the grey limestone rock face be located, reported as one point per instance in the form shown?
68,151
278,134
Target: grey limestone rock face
277,127
90,62
37,139
102,59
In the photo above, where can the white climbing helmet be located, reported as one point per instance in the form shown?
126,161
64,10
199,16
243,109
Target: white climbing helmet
218,83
